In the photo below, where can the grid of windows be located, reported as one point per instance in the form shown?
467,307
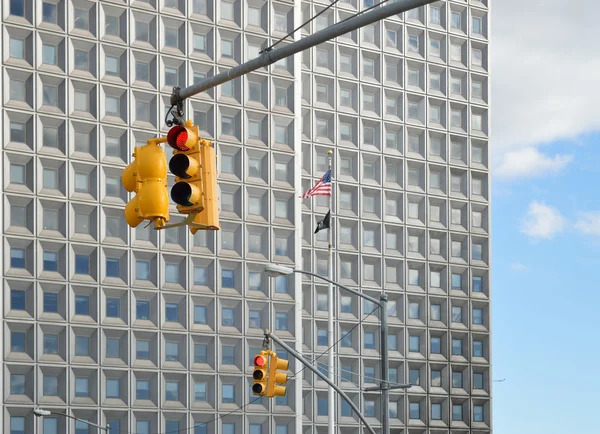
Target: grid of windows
413,208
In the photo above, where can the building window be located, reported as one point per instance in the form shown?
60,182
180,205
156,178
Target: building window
17,342
477,316
142,350
414,410
281,321
50,261
436,411
456,347
51,302
477,251
172,312
113,348
82,305
172,351
477,26
477,57
16,48
113,307
457,412
82,387
436,345
200,392
17,423
413,310
82,346
17,90
142,309
456,52
228,393
435,47
82,17
477,413
171,390
227,317
17,299
414,344
455,20
17,384
457,380
477,283
82,264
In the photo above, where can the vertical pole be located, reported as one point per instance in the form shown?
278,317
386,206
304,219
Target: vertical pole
331,362
385,376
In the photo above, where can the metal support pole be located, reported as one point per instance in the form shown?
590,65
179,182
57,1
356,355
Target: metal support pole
306,363
272,56
330,304
385,391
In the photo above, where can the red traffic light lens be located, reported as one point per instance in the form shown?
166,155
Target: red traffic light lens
260,361
177,138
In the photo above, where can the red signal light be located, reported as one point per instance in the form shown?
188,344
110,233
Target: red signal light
260,361
177,138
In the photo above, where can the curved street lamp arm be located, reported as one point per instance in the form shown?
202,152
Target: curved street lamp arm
353,291
104,428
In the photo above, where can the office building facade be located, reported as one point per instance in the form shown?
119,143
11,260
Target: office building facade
154,331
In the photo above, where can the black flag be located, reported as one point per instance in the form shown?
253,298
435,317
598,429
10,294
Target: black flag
324,224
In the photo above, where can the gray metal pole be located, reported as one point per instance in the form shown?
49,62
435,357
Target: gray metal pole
385,376
270,57
306,363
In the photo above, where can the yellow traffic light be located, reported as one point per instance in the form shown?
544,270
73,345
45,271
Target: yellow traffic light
276,364
194,165
147,177
261,362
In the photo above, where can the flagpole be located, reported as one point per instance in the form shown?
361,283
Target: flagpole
331,363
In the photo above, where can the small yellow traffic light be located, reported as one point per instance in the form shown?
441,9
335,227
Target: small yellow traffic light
261,362
194,165
147,177
275,377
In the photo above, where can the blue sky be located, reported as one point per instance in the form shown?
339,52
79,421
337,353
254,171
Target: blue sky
545,140
546,296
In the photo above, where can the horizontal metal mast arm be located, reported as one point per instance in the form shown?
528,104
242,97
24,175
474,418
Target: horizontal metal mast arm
306,363
270,57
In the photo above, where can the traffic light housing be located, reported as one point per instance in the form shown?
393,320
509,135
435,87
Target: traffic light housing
194,165
275,377
261,363
146,175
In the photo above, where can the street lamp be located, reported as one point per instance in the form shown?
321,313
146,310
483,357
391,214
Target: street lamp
276,270
39,412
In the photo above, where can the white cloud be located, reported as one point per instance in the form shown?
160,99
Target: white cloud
588,223
542,221
518,267
529,163
545,86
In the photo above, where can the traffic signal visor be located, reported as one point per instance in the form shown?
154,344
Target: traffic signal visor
261,363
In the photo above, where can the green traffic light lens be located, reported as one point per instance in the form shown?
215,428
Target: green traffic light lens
181,193
257,388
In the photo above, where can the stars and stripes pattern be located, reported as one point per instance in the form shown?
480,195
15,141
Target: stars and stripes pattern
321,188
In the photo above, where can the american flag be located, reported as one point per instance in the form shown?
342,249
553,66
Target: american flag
321,188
